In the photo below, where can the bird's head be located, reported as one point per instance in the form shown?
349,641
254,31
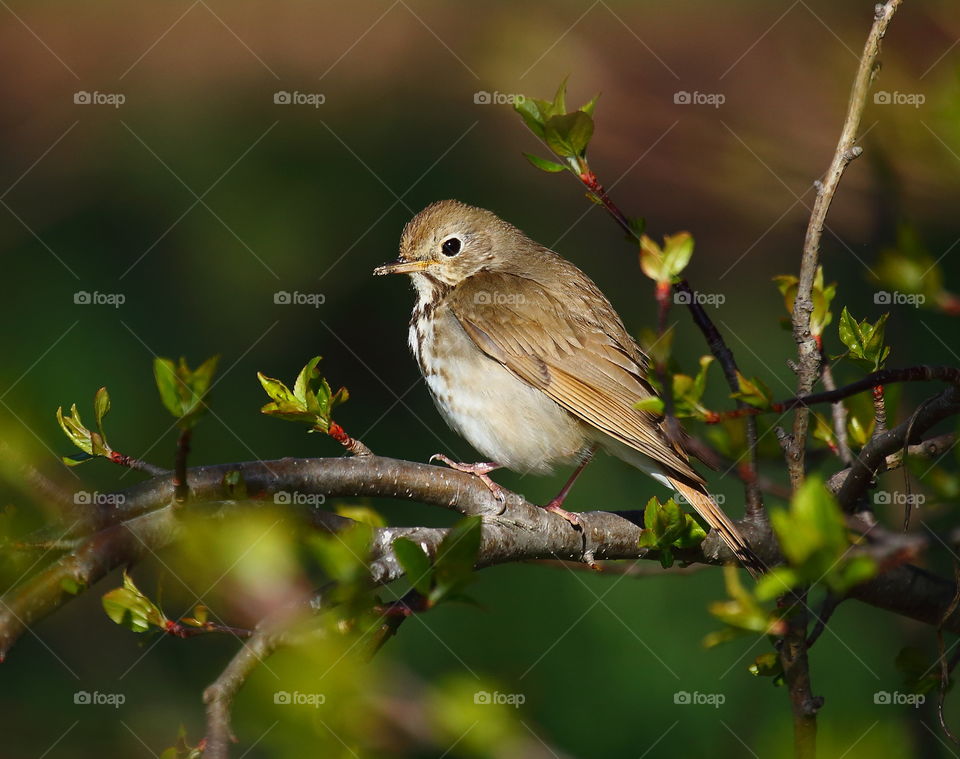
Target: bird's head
448,242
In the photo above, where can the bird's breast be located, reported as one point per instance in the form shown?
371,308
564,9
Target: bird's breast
504,418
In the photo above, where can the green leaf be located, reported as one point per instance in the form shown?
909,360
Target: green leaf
589,107
668,527
677,251
653,404
767,665
814,540
754,392
101,405
92,444
865,341
363,514
569,134
531,113
311,400
456,557
741,611
415,563
821,295
543,164
130,608
165,375
183,390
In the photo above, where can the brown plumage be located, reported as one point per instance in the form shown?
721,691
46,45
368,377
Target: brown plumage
526,358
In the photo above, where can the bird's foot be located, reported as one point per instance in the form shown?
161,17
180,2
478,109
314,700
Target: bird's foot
555,507
480,470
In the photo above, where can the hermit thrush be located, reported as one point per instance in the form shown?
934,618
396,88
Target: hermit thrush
527,360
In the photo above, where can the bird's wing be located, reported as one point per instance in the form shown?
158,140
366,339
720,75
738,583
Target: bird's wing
571,345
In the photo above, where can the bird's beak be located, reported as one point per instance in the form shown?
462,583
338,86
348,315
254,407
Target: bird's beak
402,267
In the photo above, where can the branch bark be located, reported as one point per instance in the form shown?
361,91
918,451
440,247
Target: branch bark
808,351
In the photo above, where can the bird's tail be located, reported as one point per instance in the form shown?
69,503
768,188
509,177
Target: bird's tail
713,515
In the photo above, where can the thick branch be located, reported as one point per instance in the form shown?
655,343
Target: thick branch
514,531
852,483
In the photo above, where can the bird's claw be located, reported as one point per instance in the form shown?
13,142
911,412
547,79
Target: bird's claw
479,470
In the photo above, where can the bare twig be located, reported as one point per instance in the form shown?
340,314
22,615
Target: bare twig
808,351
945,666
839,415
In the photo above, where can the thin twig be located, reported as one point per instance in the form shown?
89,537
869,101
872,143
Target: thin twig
808,351
945,667
838,414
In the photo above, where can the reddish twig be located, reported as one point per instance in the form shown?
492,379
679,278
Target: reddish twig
353,446
141,466
179,630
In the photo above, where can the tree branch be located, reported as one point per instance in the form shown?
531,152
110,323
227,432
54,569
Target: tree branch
808,351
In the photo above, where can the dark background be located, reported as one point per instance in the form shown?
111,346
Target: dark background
296,198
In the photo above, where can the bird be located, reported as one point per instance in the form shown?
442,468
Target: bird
527,360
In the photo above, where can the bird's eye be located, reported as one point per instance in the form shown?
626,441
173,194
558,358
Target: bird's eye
451,246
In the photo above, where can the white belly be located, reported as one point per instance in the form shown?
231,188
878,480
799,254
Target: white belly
505,419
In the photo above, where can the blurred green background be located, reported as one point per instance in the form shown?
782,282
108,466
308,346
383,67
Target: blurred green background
200,197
